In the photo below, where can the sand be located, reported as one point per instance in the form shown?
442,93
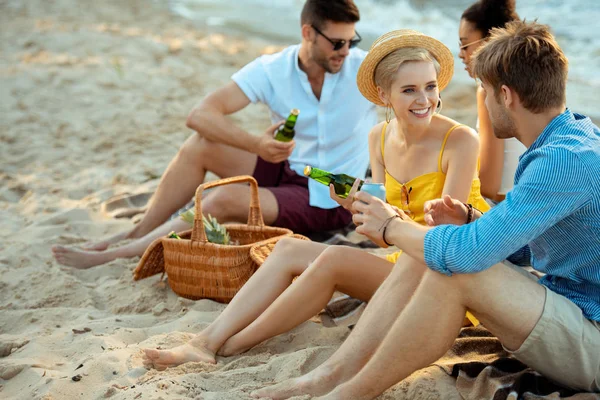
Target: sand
93,101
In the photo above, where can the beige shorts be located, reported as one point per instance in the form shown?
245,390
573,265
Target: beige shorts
564,345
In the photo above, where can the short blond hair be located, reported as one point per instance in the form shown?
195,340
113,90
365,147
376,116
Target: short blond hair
525,57
386,69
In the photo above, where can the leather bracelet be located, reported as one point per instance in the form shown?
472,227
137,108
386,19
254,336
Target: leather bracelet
385,229
469,212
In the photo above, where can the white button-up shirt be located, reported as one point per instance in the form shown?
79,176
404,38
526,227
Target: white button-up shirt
331,133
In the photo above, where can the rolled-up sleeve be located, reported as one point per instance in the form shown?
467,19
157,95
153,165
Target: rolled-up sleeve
549,187
253,81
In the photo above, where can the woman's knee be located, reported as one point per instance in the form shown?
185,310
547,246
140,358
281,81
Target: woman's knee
407,266
286,245
331,260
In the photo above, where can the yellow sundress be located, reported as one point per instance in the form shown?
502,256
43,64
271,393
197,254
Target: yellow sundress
422,188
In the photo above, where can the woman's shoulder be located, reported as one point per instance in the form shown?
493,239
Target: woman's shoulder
375,132
377,128
460,136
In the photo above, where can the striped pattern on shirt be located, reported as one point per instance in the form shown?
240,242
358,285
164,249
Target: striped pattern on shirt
553,211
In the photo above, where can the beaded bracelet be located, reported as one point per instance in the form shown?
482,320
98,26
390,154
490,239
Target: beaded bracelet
469,212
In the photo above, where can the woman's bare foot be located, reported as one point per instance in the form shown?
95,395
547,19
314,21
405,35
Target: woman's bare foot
82,259
316,383
232,348
193,351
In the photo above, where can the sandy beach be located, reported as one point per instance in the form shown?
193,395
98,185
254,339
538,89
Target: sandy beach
93,101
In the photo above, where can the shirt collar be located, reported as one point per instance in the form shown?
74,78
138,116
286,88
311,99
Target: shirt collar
556,123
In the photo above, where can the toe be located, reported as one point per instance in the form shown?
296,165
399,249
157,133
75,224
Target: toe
58,249
152,354
160,367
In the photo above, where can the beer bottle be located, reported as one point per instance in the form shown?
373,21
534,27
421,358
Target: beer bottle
342,183
286,132
173,235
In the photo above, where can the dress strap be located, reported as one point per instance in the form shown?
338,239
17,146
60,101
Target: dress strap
383,138
444,145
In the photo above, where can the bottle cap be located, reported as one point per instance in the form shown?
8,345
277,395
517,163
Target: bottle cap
307,170
295,111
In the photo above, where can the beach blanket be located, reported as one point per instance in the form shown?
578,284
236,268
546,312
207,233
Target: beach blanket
484,370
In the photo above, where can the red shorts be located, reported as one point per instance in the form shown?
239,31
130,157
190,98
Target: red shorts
291,192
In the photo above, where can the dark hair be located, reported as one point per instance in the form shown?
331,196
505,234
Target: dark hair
525,57
318,12
488,14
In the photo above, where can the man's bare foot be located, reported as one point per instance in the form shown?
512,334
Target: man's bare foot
105,243
82,259
316,383
192,351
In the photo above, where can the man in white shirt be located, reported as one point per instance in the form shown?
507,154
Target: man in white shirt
318,77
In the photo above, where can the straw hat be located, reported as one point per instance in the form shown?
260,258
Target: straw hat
394,40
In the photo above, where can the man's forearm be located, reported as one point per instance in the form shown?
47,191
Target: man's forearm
216,127
407,236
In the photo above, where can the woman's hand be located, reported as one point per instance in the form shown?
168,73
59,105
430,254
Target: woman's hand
347,202
445,211
373,215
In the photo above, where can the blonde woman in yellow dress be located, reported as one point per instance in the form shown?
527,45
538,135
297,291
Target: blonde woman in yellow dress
417,153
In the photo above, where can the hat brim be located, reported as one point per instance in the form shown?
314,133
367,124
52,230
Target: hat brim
392,41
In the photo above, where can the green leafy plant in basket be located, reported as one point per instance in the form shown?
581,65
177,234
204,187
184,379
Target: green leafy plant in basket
215,232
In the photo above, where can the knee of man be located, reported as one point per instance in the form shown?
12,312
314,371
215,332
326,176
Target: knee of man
225,204
193,147
199,151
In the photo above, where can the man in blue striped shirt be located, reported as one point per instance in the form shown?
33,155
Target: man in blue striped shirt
550,219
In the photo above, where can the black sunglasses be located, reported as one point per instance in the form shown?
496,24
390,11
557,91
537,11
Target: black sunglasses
339,44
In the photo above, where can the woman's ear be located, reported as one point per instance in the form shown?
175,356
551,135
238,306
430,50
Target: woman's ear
382,95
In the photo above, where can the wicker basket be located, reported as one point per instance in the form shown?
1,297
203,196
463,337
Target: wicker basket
198,269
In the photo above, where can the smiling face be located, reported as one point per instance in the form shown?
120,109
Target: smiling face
470,40
414,93
321,49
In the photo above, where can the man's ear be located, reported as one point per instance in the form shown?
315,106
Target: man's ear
307,32
508,96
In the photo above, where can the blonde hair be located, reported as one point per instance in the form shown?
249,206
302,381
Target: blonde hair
526,58
386,70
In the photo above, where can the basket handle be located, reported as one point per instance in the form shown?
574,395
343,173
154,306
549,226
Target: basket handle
254,215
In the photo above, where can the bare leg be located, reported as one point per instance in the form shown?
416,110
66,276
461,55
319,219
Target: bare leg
381,312
289,259
437,309
346,269
74,257
227,204
179,182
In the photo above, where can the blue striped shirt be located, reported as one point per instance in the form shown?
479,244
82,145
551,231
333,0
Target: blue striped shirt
552,217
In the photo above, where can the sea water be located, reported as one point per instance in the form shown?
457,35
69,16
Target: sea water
574,22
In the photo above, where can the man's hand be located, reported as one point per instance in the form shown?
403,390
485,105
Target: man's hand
372,215
347,202
445,211
272,150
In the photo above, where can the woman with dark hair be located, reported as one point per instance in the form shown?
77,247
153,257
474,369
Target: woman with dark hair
499,157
